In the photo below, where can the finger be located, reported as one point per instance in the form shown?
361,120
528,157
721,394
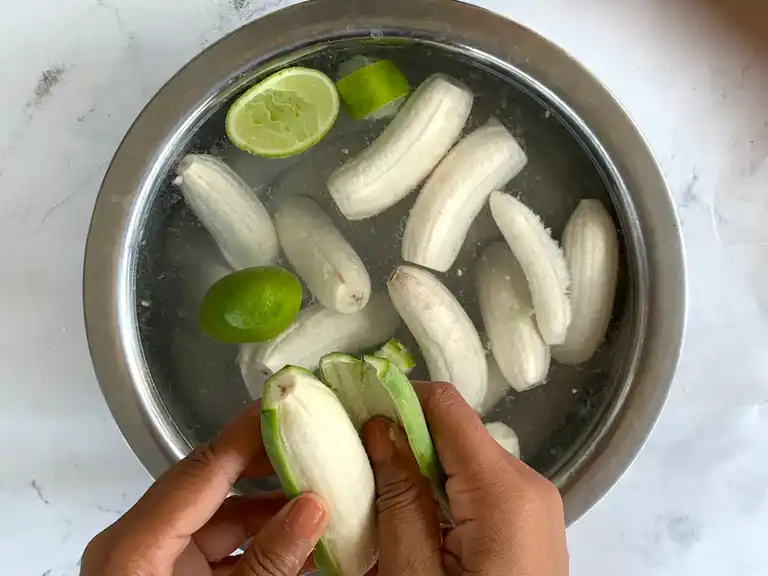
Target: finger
189,493
479,471
228,565
259,467
225,566
461,440
409,528
238,520
285,543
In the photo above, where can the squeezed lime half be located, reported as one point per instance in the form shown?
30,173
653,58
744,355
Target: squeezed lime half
285,114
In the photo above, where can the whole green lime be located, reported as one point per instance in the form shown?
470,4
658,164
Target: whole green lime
250,305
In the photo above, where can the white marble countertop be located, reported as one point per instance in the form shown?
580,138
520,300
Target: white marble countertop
75,73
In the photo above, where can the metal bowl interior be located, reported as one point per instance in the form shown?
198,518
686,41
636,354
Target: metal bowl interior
180,386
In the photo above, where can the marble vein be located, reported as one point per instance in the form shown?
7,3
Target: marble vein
39,491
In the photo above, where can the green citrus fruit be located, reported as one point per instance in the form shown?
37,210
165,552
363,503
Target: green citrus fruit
250,305
284,114
372,89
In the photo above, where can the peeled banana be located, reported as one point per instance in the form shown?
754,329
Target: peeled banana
497,386
254,373
315,332
229,210
591,247
456,191
406,152
542,262
321,256
314,447
445,334
505,437
505,304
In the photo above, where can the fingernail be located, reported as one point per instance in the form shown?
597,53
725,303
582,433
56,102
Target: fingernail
306,516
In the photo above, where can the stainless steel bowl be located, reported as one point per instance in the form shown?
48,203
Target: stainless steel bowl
148,261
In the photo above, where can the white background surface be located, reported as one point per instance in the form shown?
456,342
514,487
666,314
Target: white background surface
696,500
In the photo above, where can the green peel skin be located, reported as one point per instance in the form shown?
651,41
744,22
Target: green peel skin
395,352
374,387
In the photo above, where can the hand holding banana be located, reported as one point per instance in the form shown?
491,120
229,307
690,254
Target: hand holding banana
509,520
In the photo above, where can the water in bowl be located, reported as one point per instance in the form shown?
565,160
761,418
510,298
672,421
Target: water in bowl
198,378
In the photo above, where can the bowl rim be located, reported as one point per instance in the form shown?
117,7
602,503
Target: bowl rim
224,68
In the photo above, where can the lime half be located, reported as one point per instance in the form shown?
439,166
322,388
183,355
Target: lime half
250,305
372,89
285,114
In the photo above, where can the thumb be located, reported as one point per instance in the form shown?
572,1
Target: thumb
287,540
409,528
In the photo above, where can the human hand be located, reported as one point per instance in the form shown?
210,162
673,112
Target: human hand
508,520
186,525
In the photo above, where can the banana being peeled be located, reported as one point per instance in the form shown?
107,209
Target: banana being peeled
315,332
542,262
505,303
406,152
445,334
229,210
314,447
321,256
455,192
591,246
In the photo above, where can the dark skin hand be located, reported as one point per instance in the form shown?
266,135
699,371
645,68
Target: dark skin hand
508,519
